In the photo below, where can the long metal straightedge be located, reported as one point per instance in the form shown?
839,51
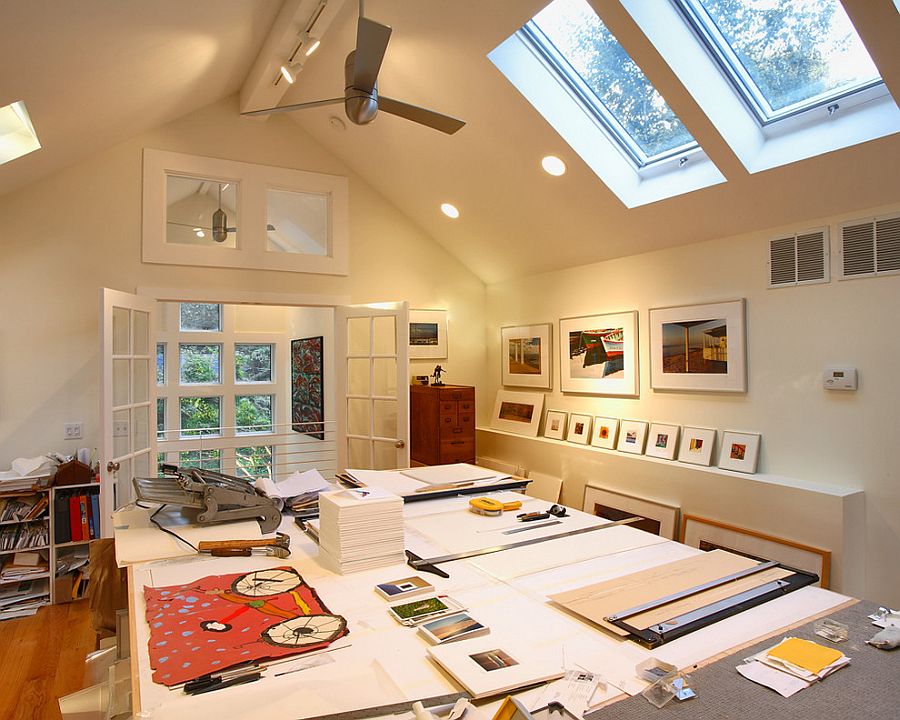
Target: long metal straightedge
521,543
392,709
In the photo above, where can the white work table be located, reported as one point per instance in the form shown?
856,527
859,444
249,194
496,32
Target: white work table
383,662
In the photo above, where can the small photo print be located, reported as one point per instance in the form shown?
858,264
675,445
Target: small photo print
452,627
418,608
738,451
554,424
603,434
491,660
631,437
662,440
579,428
404,586
696,445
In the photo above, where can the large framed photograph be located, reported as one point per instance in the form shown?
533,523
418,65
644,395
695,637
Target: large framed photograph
699,347
657,518
518,412
427,334
709,534
739,451
307,397
598,354
525,354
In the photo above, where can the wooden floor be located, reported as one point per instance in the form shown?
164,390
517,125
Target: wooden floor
42,658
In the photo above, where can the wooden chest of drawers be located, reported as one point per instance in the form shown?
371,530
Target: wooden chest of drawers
442,424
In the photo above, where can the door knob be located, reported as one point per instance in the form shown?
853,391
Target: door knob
112,466
399,444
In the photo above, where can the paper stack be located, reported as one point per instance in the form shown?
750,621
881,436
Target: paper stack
299,491
360,529
792,665
23,598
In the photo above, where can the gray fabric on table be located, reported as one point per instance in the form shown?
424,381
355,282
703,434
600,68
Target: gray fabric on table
869,687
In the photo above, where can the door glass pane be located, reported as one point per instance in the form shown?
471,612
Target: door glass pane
385,418
385,456
358,336
124,492
200,416
160,459
253,413
142,467
160,418
195,207
358,455
385,330
200,317
160,363
141,424
141,341
121,381
121,330
121,433
297,222
252,363
385,370
199,364
141,380
359,419
358,376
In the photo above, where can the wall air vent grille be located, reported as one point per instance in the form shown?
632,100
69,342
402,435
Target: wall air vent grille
870,247
800,259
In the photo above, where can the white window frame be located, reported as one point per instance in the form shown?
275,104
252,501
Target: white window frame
253,181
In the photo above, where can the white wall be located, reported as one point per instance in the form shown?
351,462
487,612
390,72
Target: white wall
845,439
63,237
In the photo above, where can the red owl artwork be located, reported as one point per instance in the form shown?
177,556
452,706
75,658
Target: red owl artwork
213,623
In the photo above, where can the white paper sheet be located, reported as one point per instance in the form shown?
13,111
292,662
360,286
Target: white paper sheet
296,483
783,683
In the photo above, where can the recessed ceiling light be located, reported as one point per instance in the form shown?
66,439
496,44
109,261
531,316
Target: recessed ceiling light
449,210
553,165
17,136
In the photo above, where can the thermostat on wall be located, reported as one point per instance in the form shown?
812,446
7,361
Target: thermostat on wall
839,378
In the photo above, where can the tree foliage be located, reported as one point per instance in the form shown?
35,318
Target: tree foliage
252,363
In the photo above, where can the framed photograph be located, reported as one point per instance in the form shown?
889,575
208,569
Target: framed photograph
427,333
662,441
555,424
579,429
708,534
699,347
606,430
697,445
518,412
598,354
452,627
658,518
632,436
739,451
525,354
307,397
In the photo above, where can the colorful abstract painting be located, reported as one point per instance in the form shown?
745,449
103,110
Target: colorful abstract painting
219,621
307,399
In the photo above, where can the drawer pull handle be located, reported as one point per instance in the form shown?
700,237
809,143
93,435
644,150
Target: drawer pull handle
457,430
457,442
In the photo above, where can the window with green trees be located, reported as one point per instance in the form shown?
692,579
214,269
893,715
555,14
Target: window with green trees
253,413
199,364
252,363
201,416
203,459
200,317
254,462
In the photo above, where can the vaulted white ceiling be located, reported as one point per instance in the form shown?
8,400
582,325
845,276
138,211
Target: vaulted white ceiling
98,71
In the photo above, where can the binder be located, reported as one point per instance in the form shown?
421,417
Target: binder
74,518
83,514
62,531
95,507
90,517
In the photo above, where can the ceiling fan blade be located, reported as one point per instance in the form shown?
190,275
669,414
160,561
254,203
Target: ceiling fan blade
371,44
432,119
291,108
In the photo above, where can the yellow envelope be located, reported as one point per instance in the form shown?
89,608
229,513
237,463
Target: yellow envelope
805,654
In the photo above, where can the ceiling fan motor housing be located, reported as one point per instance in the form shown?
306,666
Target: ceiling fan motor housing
361,107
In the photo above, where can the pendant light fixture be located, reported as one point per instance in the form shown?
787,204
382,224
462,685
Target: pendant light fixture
219,221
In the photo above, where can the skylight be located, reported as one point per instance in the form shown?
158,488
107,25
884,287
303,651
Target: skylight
587,56
784,56
17,136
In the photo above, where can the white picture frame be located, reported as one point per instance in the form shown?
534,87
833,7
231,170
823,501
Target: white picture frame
579,429
658,518
555,424
598,354
697,445
739,451
632,437
427,334
526,353
662,441
604,433
518,412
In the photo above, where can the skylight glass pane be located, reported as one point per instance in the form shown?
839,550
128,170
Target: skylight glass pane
601,63
789,54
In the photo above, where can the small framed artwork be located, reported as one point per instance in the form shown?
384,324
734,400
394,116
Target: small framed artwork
598,354
708,534
579,429
555,425
656,518
525,353
699,347
606,430
739,451
427,334
632,436
662,441
697,445
518,412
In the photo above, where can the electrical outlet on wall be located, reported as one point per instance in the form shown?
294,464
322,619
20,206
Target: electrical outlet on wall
72,431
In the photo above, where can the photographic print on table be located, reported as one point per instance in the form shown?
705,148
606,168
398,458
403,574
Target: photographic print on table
697,445
307,396
739,451
427,334
525,355
699,347
599,354
452,627
579,429
555,424
632,436
518,412
657,518
662,441
606,431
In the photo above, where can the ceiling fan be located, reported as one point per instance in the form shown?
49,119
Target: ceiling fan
361,98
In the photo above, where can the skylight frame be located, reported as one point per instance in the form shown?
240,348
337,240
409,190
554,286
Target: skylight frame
707,31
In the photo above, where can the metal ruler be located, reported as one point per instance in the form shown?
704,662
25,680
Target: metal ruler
521,543
393,708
